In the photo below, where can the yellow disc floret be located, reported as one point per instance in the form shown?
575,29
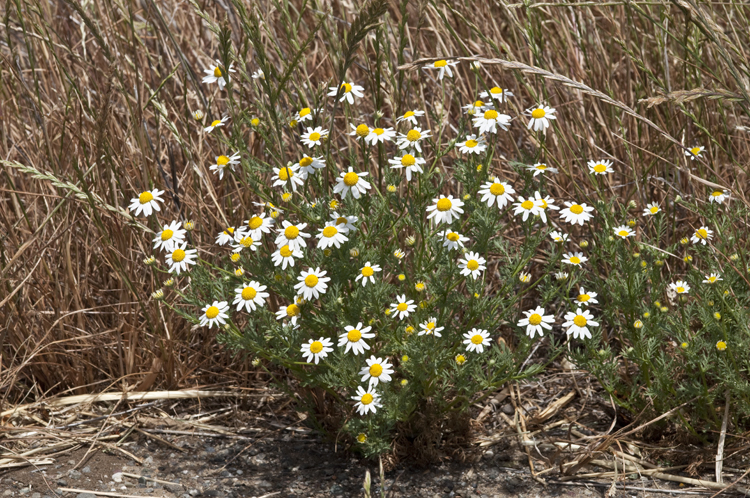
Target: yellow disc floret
248,293
212,312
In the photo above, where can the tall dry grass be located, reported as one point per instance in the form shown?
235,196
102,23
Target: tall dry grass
96,107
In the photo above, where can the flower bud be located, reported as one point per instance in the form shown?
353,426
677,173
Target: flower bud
198,115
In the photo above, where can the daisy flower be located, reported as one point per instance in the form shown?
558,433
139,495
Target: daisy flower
472,145
215,314
651,209
289,175
291,312
313,136
576,213
600,167
367,272
695,152
559,236
380,135
179,259
410,116
575,259
250,296
353,182
305,114
527,207
146,203
540,117
473,265
310,164
476,340
444,67
497,93
367,401
244,241
258,75
316,350
545,203
624,231
360,131
347,221
536,321
169,236
401,308
215,75
412,139
475,107
354,339
350,90
718,196
712,279
410,163
702,235
561,275
585,298
680,287
284,256
225,237
452,240
540,168
331,235
497,192
258,225
430,328
215,124
490,120
292,236
223,161
312,283
445,209
578,323
377,370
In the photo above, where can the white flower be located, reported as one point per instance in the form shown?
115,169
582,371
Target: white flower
452,240
146,202
258,75
214,75
497,192
331,235
444,67
702,235
353,182
225,237
401,308
284,256
367,272
367,401
244,241
215,124
304,114
578,323
651,209
215,314
695,152
169,236
410,163
223,161
490,120
430,328
412,139
258,225
545,203
250,296
473,265
292,312
179,259
354,339
559,236
624,231
410,116
497,93
445,209
712,279
380,135
718,196
377,370
472,145
313,136
540,117
289,175
536,321
680,287
476,340
292,236
575,259
312,283
576,213
316,350
600,167
310,164
476,107
347,221
348,93
561,275
585,298
540,168
527,207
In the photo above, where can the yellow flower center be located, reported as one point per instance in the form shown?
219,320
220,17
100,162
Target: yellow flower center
361,438
216,122
362,130
471,143
478,103
452,236
576,209
366,399
472,264
408,114
248,293
145,197
314,136
680,289
544,204
353,335
527,205
292,310
541,167
496,89
413,136
695,150
538,113
623,233
285,251
341,220
305,161
376,370
212,312
167,234
401,307
580,320
430,326
702,233
329,231
285,173
490,114
600,168
316,347
654,209
246,241
575,260
304,112
367,271
351,179
311,280
222,160
291,232
717,194
378,131
535,319
477,339
408,160
217,72
255,222
441,63
460,359
582,298
444,204
229,231
347,87
712,279
721,345
178,255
